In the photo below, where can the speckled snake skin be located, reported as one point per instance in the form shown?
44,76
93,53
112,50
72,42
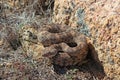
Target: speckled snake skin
64,46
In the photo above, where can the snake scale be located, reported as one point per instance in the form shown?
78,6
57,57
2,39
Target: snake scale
64,46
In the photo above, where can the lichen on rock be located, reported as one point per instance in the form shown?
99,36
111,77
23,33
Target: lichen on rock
72,14
102,18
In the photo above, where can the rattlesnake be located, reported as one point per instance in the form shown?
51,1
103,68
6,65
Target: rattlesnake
63,45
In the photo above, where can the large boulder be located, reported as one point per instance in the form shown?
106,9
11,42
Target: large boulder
99,19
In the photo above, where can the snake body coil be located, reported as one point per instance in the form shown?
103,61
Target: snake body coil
63,46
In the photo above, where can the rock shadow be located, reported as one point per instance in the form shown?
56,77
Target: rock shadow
92,66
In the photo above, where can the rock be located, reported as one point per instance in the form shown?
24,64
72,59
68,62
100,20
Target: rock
102,19
9,37
114,30
12,38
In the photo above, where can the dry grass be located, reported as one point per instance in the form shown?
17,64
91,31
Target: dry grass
14,64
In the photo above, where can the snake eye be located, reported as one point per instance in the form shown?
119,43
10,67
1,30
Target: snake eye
32,35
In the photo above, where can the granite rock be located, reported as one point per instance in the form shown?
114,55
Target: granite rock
101,20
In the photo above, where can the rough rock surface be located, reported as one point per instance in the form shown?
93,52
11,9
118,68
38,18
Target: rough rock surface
100,20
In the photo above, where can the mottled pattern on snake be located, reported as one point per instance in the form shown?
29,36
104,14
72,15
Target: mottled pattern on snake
64,46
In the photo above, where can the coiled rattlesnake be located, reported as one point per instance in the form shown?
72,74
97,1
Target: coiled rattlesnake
63,46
